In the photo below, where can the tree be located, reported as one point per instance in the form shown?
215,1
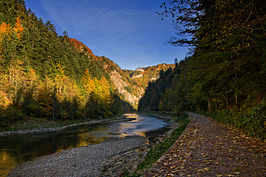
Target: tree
18,28
187,14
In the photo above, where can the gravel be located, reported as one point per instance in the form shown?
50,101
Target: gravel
84,161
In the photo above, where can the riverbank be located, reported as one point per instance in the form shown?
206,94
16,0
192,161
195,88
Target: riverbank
162,143
45,125
114,160
134,163
83,161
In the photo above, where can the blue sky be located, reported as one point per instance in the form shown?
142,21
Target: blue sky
129,32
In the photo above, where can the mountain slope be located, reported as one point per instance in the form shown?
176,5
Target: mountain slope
49,76
226,73
43,74
130,84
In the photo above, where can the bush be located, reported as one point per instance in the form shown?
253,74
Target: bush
254,121
180,116
250,120
12,113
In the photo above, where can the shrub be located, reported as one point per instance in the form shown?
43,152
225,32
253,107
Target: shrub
250,120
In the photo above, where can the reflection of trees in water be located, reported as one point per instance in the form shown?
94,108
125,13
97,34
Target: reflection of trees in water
7,162
21,148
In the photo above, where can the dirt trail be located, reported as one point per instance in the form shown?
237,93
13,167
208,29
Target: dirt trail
208,148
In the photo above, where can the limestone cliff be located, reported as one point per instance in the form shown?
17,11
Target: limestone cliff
130,84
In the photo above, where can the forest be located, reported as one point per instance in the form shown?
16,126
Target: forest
225,74
46,75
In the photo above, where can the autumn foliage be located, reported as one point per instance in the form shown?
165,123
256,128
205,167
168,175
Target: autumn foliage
49,76
18,28
6,29
43,74
81,47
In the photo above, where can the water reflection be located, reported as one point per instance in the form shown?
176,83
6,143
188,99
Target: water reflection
17,149
140,125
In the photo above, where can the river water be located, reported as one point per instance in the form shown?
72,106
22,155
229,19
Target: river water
17,149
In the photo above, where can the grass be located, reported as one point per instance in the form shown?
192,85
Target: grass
158,150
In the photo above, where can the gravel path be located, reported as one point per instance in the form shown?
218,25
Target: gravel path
207,148
84,161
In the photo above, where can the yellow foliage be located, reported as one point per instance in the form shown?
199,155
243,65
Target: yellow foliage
16,74
33,75
102,89
69,89
59,78
4,101
5,29
88,83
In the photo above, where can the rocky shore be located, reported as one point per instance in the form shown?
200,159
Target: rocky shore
84,161
116,157
113,158
126,162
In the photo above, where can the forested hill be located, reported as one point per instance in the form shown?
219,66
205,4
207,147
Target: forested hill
130,84
226,73
142,76
42,72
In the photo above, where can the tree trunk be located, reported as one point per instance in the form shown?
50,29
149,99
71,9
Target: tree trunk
226,102
236,99
209,104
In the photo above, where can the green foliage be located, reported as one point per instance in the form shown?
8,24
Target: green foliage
180,116
153,93
13,113
49,76
250,120
226,72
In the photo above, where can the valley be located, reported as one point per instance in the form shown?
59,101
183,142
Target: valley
66,109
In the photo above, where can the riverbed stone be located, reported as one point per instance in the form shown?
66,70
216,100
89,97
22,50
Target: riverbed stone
116,157
84,161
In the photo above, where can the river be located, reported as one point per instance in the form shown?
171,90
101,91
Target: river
17,149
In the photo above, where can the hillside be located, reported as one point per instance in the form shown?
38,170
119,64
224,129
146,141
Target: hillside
130,84
142,76
46,75
225,76
43,74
